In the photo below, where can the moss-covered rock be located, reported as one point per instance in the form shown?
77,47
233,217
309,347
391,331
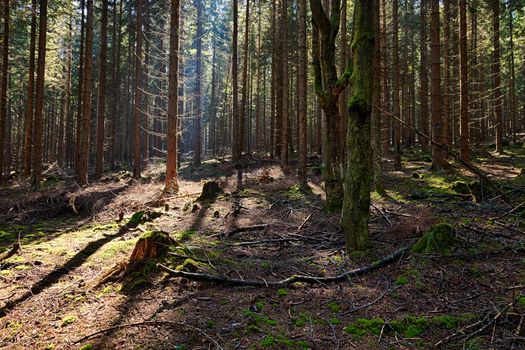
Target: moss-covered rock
439,239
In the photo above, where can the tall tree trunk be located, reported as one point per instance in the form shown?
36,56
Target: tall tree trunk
423,75
396,100
172,185
28,120
235,86
137,115
463,58
448,88
258,107
285,117
497,77
198,84
328,86
82,172
81,83
99,158
302,94
512,103
438,158
376,113
39,101
3,92
354,218
244,98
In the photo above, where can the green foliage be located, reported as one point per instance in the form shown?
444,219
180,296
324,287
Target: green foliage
184,235
86,347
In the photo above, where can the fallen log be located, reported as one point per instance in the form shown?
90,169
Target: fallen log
393,257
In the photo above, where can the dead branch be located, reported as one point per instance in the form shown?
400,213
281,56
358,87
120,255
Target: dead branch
149,323
14,249
239,230
471,167
395,256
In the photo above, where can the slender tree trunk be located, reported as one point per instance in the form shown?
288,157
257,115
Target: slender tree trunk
198,84
302,94
81,83
285,117
423,75
28,120
447,82
82,172
172,185
3,92
463,57
497,77
396,100
235,86
39,101
438,158
258,107
99,158
512,104
354,218
376,113
244,98
137,115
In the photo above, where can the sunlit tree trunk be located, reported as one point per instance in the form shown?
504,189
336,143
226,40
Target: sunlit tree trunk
101,109
137,114
3,91
28,120
496,76
172,185
198,86
438,158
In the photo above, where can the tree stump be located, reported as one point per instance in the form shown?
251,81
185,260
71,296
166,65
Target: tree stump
150,245
210,191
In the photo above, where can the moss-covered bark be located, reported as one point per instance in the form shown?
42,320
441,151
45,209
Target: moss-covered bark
354,219
328,86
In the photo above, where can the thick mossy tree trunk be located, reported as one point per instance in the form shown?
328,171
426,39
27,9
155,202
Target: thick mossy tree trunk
328,87
354,219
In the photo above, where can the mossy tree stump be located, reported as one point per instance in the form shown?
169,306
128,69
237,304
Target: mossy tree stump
439,239
150,245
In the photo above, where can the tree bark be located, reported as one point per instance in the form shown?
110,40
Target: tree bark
137,115
171,161
302,94
28,120
354,218
85,125
198,86
99,158
395,81
464,85
3,91
423,74
497,77
39,101
438,157
285,117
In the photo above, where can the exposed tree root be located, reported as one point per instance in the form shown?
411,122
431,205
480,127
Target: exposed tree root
395,256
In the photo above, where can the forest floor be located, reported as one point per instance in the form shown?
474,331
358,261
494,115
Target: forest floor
59,288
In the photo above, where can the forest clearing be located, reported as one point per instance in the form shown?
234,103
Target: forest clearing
262,174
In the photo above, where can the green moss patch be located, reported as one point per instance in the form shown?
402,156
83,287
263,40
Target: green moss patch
365,326
438,240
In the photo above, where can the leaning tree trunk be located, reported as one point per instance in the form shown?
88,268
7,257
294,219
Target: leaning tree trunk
354,218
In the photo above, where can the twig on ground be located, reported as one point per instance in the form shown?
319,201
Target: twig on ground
148,323
240,229
295,278
305,221
382,213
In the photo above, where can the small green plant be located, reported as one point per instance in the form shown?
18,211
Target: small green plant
67,320
401,280
282,292
86,347
335,307
365,326
335,321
